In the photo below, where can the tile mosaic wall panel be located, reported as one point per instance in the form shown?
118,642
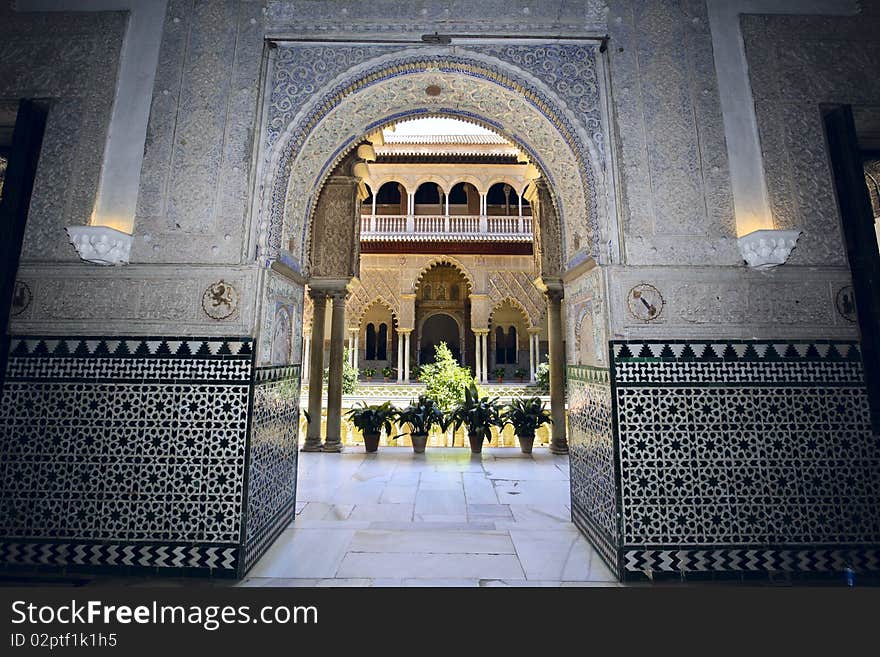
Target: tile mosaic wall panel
745,456
124,451
271,483
591,453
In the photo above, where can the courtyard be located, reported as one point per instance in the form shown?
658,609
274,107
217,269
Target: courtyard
442,518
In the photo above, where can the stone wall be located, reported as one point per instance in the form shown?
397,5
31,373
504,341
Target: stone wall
71,60
795,65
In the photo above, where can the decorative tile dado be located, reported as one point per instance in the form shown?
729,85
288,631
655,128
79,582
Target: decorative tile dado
744,455
125,451
594,502
273,449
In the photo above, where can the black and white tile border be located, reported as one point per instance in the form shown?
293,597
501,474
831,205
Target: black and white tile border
134,452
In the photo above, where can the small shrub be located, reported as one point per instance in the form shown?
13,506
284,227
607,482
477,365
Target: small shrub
445,379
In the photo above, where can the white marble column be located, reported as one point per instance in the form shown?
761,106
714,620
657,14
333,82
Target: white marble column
532,358
406,356
486,356
399,357
306,349
478,359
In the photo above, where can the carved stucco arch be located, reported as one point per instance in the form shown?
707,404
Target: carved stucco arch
527,319
515,186
444,260
357,310
459,321
379,182
429,178
466,178
477,87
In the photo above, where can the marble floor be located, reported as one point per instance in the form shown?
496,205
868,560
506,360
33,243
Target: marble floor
443,518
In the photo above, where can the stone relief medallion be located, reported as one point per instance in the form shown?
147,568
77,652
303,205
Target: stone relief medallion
220,300
21,298
645,302
845,301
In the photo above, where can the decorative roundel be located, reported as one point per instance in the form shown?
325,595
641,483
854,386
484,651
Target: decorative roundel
645,302
21,298
846,303
220,300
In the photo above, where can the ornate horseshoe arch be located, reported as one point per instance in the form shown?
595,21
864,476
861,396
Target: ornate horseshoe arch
475,86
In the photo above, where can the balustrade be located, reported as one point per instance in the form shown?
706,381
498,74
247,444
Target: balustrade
508,227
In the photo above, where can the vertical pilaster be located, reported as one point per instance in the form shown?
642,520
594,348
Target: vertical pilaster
316,371
533,356
399,357
333,440
559,444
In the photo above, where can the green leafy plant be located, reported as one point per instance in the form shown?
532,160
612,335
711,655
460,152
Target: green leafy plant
520,373
542,376
498,372
415,372
526,414
421,416
370,420
369,372
477,413
445,380
387,372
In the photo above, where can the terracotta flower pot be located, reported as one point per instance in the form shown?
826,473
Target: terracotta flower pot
371,442
476,441
419,442
526,443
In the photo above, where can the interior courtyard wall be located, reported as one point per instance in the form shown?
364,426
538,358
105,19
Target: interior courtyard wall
676,201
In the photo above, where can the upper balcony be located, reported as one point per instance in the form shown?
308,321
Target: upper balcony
445,228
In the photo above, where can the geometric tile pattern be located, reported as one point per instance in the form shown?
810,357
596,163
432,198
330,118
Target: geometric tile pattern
744,455
591,459
272,458
124,450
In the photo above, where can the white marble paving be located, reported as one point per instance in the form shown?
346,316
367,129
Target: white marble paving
445,518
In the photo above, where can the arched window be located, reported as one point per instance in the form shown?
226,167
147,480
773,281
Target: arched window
382,342
426,292
500,351
371,342
511,346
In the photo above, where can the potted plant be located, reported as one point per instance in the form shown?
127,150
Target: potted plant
414,372
499,374
520,374
526,414
369,373
479,415
420,416
387,372
370,420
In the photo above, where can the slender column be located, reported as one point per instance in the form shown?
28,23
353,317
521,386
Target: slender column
357,347
410,211
316,371
559,444
333,441
520,208
447,205
406,356
374,210
531,357
486,356
305,356
478,359
399,357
